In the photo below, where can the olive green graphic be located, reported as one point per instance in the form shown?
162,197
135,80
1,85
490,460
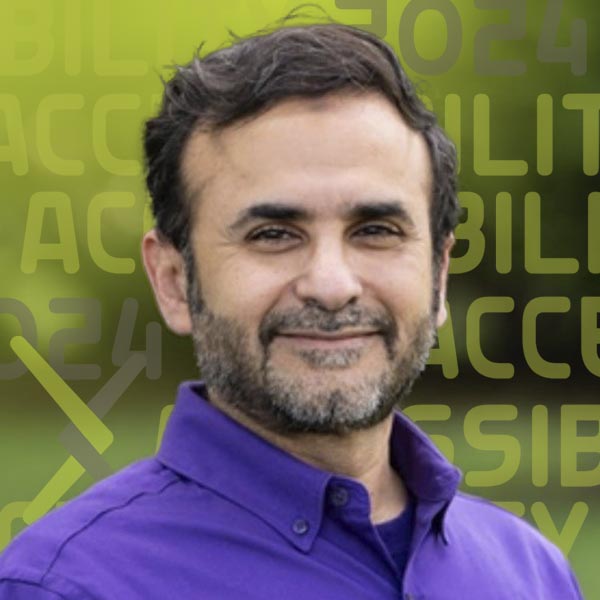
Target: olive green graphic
88,372
87,438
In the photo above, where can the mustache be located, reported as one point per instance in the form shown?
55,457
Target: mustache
316,318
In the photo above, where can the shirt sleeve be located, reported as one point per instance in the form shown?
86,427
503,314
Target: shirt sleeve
23,590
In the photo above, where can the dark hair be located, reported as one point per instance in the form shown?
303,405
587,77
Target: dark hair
252,75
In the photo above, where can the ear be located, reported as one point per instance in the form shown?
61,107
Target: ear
166,271
442,313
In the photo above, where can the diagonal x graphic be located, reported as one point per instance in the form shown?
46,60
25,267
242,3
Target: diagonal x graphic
87,437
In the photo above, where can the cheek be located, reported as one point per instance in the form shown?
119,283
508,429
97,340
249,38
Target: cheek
407,292
245,291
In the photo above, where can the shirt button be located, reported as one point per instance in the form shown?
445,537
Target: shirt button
300,526
339,496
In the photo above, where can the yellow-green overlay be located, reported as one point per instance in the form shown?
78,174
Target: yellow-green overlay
87,370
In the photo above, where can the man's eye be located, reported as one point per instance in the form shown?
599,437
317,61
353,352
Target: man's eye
378,231
272,234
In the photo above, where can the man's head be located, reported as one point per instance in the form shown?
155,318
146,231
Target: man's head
305,202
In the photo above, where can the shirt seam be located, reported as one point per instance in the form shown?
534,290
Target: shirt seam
39,585
283,530
96,518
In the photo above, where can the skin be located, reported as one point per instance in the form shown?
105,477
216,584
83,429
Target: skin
321,157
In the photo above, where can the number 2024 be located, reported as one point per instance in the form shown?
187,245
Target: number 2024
548,51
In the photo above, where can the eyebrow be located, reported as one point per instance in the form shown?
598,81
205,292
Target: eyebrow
277,211
380,210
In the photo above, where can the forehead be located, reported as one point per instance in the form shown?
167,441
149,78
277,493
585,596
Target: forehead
340,148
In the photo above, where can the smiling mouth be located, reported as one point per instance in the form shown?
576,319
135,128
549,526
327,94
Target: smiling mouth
328,335
333,340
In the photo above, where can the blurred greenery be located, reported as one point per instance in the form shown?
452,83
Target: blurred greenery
112,53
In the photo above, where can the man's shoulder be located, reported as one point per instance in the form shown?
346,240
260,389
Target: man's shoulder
84,521
490,549
507,537
474,511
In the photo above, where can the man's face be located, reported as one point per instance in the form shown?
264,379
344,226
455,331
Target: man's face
313,259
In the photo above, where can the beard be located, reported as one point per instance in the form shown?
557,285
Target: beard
245,376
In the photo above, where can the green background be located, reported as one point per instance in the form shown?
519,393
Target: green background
90,57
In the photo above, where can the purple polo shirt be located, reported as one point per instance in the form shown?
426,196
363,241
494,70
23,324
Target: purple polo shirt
222,514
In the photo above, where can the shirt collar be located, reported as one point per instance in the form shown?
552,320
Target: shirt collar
203,444
207,446
424,469
426,472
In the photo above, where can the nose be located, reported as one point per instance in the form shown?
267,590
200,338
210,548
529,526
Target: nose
328,278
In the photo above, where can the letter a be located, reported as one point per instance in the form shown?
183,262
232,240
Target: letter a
33,247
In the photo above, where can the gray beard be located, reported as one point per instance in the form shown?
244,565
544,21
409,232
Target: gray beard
249,383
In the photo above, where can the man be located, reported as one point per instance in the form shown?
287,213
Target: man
305,202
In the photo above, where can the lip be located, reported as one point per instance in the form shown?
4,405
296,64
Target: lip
325,335
325,340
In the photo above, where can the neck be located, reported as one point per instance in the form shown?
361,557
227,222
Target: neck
361,455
